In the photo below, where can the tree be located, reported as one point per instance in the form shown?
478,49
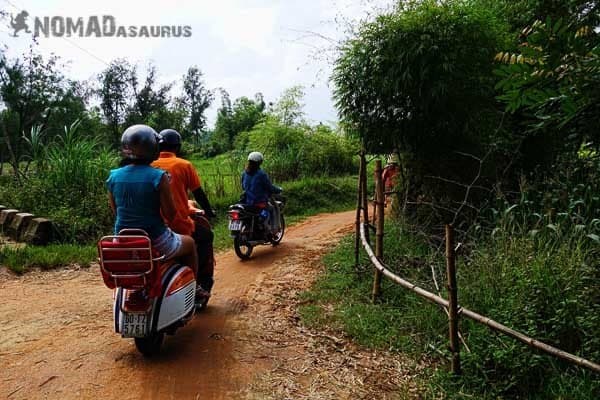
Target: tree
522,13
289,109
551,81
196,99
114,93
422,73
234,119
151,101
421,80
34,92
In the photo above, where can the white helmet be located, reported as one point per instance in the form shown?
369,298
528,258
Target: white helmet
256,157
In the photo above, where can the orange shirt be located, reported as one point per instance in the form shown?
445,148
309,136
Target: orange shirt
184,179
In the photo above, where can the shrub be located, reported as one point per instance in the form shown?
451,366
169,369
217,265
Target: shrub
292,152
68,187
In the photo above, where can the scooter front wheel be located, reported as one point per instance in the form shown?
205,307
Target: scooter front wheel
149,345
242,249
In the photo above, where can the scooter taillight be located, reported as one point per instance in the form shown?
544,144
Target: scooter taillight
136,301
235,215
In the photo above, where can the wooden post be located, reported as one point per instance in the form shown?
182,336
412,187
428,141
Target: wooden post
490,323
365,199
379,229
452,300
358,208
375,205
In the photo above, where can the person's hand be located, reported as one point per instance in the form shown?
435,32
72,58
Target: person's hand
212,217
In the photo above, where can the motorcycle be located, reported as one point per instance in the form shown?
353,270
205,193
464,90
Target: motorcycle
152,296
248,228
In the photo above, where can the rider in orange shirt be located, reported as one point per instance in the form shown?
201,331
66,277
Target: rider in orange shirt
185,179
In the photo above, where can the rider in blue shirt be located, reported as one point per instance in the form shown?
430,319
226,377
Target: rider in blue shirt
138,193
258,189
256,183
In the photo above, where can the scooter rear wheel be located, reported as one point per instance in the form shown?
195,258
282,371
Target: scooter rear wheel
242,250
150,345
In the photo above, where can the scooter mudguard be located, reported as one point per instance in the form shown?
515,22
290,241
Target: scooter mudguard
178,299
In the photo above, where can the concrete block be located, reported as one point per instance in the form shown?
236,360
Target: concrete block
38,231
18,224
6,217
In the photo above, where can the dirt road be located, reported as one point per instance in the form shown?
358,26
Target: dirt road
57,342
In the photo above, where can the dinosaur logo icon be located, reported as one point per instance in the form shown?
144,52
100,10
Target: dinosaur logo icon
19,23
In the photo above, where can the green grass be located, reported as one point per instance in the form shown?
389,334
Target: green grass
221,180
546,289
305,197
341,298
20,260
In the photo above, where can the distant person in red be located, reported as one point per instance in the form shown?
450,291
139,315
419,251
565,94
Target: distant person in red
390,175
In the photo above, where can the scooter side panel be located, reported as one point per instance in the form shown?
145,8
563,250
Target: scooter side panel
179,298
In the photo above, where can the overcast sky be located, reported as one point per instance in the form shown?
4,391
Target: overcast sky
243,46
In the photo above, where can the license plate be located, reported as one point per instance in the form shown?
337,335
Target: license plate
134,325
235,225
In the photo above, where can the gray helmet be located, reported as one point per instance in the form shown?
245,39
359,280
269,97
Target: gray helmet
256,157
169,137
140,142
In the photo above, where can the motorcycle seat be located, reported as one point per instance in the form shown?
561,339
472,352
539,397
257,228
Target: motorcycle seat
246,208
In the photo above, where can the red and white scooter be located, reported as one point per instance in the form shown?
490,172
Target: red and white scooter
152,296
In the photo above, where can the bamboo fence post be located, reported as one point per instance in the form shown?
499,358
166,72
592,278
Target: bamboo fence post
365,200
358,209
379,229
452,300
490,323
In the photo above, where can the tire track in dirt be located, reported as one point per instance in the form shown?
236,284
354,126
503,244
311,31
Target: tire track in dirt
57,340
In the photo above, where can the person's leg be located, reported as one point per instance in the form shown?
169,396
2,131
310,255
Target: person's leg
203,236
187,253
275,218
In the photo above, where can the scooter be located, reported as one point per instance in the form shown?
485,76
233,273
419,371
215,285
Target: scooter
152,296
247,226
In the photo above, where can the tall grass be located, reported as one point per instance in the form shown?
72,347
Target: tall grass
67,186
546,286
20,260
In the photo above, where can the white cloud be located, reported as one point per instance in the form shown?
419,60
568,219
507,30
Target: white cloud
244,46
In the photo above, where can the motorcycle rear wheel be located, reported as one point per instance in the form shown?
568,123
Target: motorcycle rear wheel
277,238
242,250
149,346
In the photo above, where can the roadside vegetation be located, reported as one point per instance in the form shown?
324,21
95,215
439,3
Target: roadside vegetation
491,109
58,171
21,259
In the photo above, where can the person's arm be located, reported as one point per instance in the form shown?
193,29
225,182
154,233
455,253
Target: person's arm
202,200
194,185
166,199
242,181
111,203
273,189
